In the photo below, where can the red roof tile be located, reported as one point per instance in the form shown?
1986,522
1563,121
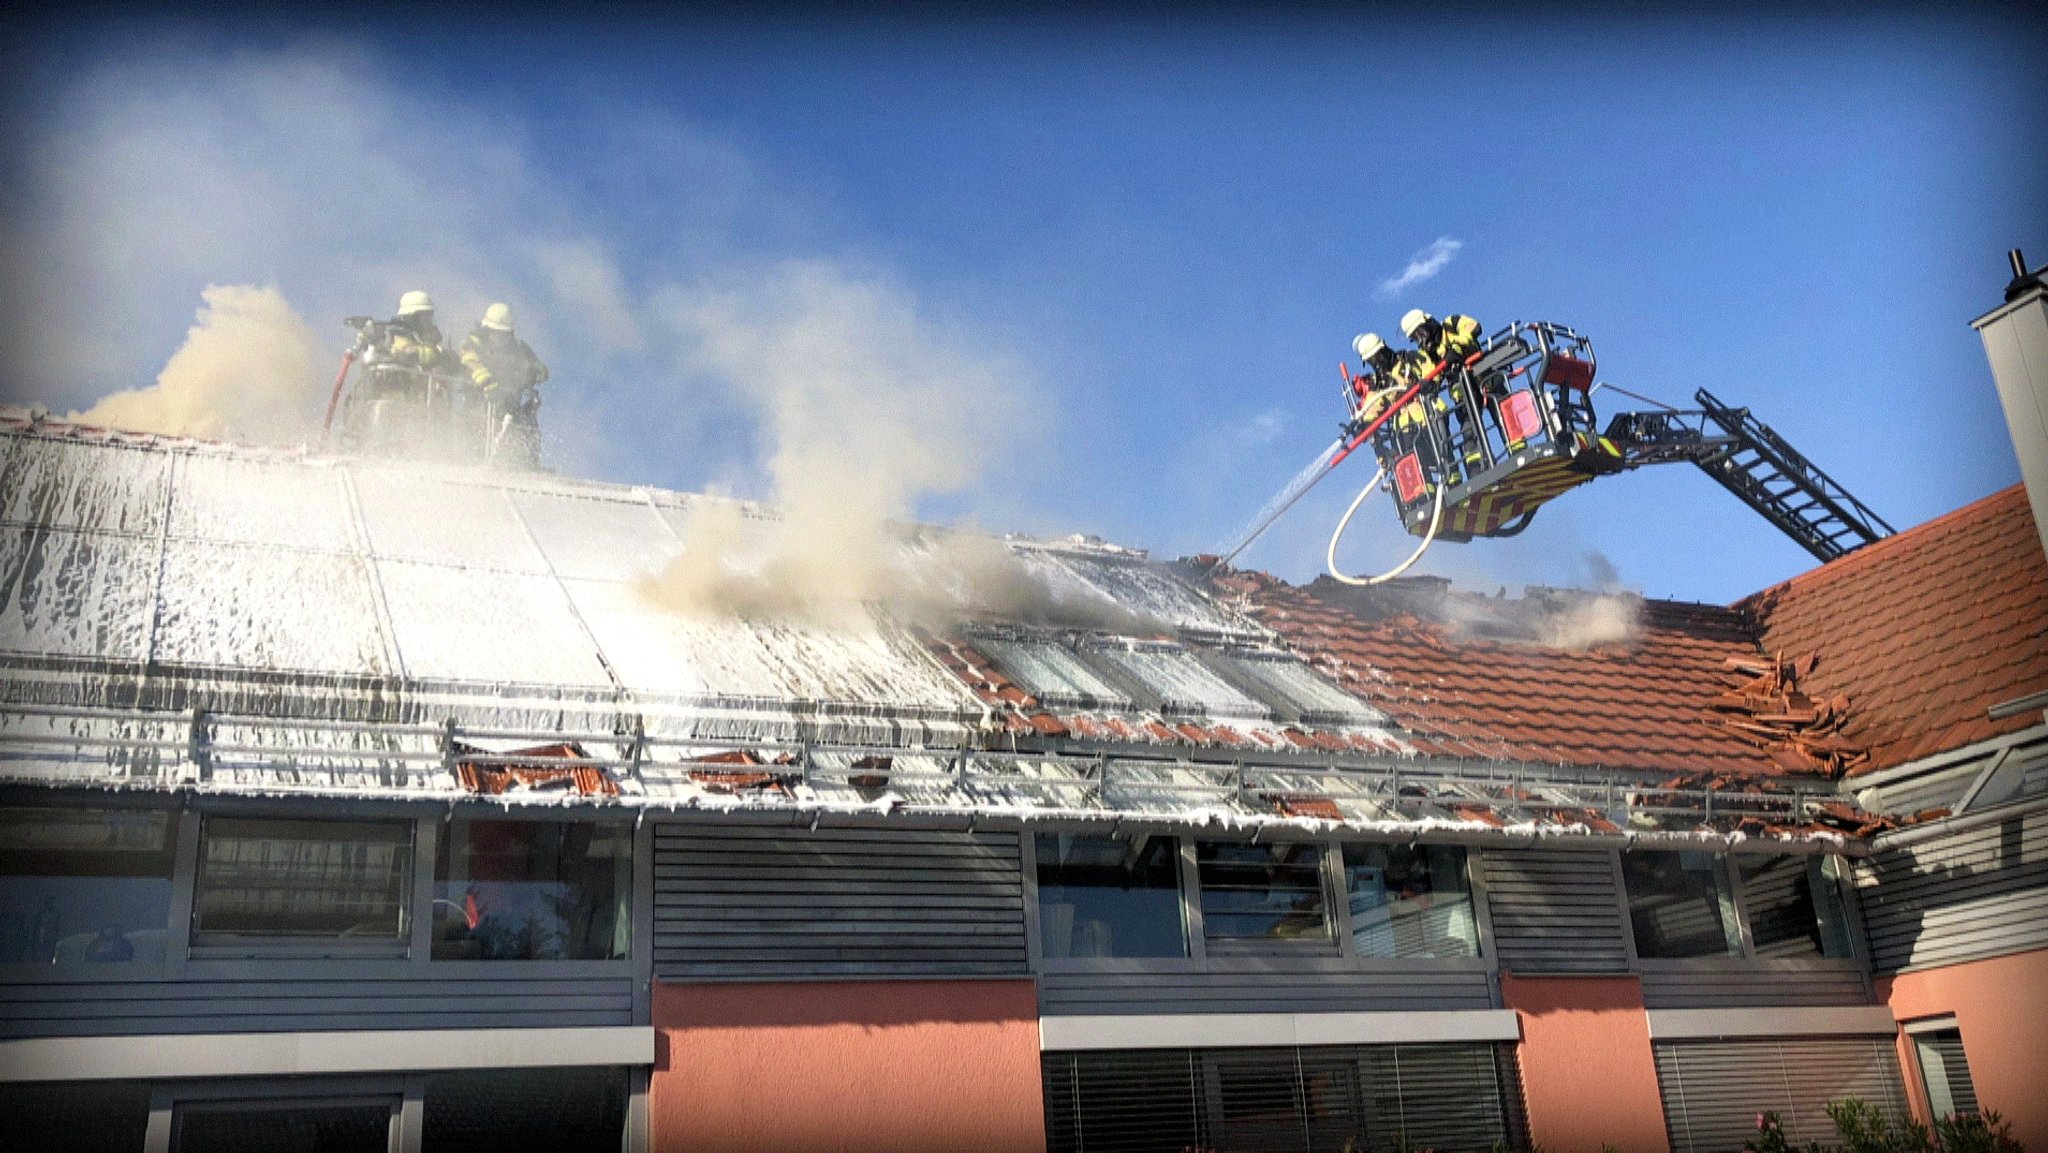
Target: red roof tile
1924,631
1638,704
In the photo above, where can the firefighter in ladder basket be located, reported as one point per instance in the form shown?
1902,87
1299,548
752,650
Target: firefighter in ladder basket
408,378
507,374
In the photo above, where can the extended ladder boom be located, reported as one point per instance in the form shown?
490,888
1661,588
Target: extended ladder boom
1749,459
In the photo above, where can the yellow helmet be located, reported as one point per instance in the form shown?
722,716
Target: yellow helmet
1413,319
1368,345
498,316
415,301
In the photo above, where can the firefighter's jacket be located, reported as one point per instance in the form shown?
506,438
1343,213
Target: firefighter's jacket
501,364
1391,384
1457,338
421,347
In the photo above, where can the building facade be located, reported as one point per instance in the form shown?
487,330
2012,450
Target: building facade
369,806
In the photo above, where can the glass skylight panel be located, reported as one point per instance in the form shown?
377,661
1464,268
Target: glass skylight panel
1178,679
70,594
607,537
1052,673
1299,686
103,487
1149,593
267,608
232,499
419,515
454,624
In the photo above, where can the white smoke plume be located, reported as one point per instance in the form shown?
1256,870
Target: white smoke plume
1609,618
866,404
249,370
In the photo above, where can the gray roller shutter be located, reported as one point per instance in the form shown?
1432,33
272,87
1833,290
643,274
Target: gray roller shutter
1555,911
1713,1090
1980,893
1449,1097
766,903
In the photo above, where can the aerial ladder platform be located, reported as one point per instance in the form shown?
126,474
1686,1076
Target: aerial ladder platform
1475,448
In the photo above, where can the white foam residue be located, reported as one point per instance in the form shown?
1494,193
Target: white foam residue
1298,684
225,498
73,594
1149,591
603,537
431,515
1176,676
113,488
1050,671
656,650
487,627
267,608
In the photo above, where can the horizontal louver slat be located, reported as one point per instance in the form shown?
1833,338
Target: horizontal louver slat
772,904
1555,911
1979,893
1713,1090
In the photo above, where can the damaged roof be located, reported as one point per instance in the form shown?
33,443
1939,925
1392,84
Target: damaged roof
1924,632
1477,676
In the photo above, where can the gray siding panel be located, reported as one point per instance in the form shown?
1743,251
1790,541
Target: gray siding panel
1713,1090
309,1005
1982,892
1276,988
1555,911
780,903
1755,983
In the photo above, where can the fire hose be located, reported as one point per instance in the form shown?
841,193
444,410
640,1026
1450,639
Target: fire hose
1436,516
334,399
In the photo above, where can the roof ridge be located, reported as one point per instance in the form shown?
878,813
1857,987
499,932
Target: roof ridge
1860,558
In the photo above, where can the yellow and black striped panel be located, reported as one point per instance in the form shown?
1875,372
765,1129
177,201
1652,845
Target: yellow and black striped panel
1485,512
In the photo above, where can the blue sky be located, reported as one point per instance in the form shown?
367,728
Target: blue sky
1149,241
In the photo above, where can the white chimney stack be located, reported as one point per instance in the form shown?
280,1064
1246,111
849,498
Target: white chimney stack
2016,341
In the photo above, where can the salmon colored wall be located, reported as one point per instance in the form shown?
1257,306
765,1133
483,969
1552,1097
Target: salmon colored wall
1587,1067
2001,1006
847,1067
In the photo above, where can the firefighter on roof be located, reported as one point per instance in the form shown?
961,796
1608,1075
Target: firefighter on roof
508,374
412,340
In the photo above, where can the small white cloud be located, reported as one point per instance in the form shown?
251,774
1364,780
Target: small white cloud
1421,266
1264,428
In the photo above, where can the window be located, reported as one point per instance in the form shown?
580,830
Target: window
1409,901
1680,905
1109,897
84,886
75,1116
1795,906
297,880
533,890
1944,1071
341,1125
495,1110
1262,892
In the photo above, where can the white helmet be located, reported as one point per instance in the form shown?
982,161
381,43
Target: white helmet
1368,345
415,301
498,316
1413,319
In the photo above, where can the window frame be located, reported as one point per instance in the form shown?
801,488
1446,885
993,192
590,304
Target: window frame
636,885
182,823
222,946
1858,960
1345,958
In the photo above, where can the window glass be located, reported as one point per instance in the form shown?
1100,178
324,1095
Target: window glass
74,1116
265,877
1109,897
1680,905
533,890
322,1126
1262,892
84,886
495,1110
1795,906
1945,1072
1410,901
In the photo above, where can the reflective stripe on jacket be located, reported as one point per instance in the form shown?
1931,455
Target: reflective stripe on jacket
501,360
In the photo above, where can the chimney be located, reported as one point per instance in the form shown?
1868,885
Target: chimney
2016,341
